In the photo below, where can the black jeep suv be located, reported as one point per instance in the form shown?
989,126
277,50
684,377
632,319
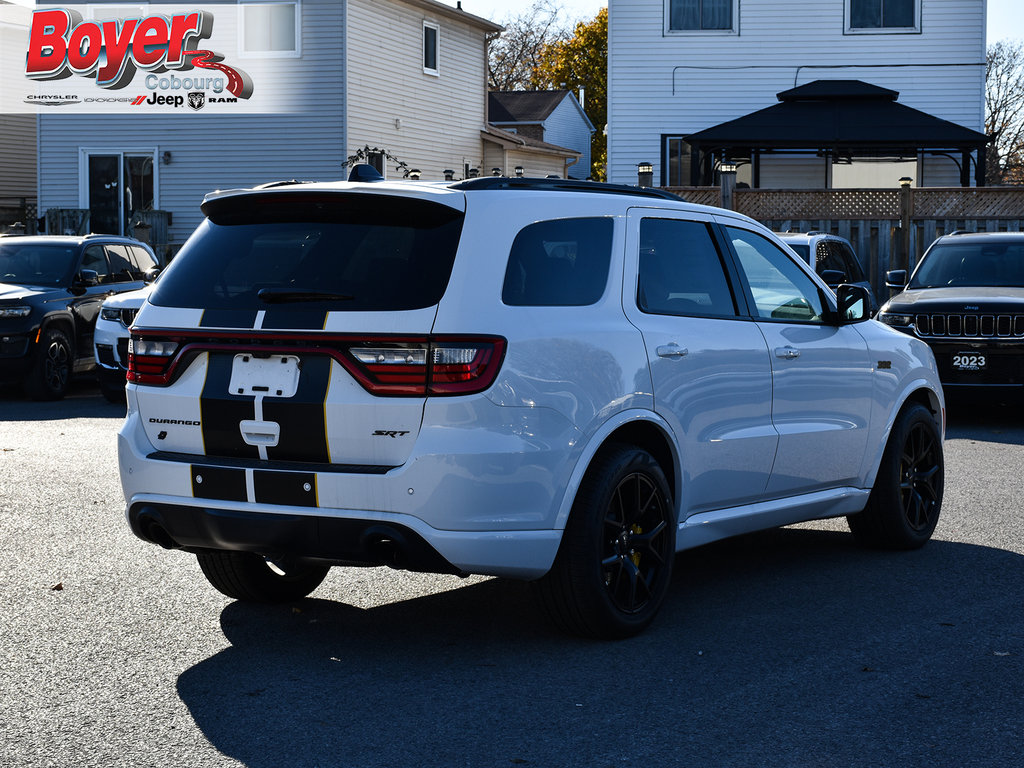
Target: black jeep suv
966,299
51,289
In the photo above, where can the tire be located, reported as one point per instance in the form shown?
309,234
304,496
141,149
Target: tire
50,374
253,578
112,392
904,505
614,566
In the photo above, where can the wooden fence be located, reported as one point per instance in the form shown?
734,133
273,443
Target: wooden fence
872,219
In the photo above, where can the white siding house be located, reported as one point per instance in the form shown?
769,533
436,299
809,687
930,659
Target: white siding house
354,74
553,117
676,67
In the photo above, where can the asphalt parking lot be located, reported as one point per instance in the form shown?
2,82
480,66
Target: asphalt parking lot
788,648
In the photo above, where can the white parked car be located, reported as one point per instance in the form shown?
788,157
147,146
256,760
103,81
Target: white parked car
543,379
110,340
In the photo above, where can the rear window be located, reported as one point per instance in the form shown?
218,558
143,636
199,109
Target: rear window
339,252
563,262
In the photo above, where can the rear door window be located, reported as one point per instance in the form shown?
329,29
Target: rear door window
339,252
563,262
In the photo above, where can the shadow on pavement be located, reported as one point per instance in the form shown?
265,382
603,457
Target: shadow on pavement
790,647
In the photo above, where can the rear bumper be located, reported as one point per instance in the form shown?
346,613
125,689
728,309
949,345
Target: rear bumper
342,537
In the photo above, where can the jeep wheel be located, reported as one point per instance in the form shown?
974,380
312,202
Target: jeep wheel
253,578
51,372
613,569
904,505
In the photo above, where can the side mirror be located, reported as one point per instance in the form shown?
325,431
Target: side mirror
832,277
854,304
896,278
87,278
151,275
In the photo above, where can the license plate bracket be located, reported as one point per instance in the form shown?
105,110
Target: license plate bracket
270,376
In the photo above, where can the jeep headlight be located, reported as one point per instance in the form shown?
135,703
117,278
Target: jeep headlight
15,311
896,320
113,315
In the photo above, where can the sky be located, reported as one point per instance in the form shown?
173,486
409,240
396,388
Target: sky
1005,17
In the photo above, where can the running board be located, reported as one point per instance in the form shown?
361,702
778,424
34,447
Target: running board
706,527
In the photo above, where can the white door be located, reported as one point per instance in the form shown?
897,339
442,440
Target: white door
821,373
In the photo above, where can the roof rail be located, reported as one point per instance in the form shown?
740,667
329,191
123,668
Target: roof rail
961,232
574,185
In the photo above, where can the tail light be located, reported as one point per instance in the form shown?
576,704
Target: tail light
149,360
435,366
385,366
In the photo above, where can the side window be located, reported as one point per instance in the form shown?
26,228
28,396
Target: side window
781,290
96,260
828,256
854,273
143,260
563,262
681,271
121,268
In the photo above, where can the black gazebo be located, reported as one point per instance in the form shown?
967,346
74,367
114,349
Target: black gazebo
837,120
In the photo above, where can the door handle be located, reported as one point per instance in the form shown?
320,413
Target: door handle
787,353
672,350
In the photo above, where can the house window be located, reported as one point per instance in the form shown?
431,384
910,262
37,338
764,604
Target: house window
676,162
269,29
431,38
883,15
701,15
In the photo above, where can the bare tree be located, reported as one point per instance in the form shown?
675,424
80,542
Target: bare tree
1004,112
514,55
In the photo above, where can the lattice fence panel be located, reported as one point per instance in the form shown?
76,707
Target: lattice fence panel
818,203
698,195
964,203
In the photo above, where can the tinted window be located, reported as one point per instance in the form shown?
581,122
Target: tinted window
143,260
681,270
829,257
96,260
328,251
781,290
122,270
993,263
559,263
854,273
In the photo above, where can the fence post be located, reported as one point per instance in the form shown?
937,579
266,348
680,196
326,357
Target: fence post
906,206
727,172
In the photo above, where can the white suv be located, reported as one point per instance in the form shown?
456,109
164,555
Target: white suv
558,381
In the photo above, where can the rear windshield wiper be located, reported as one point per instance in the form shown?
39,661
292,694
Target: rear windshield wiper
286,297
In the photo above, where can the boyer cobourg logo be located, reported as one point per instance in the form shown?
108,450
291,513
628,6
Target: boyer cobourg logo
112,52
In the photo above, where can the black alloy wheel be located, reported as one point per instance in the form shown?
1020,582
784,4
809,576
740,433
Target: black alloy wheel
614,567
906,500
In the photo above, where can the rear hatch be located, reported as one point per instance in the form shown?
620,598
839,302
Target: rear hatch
295,327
